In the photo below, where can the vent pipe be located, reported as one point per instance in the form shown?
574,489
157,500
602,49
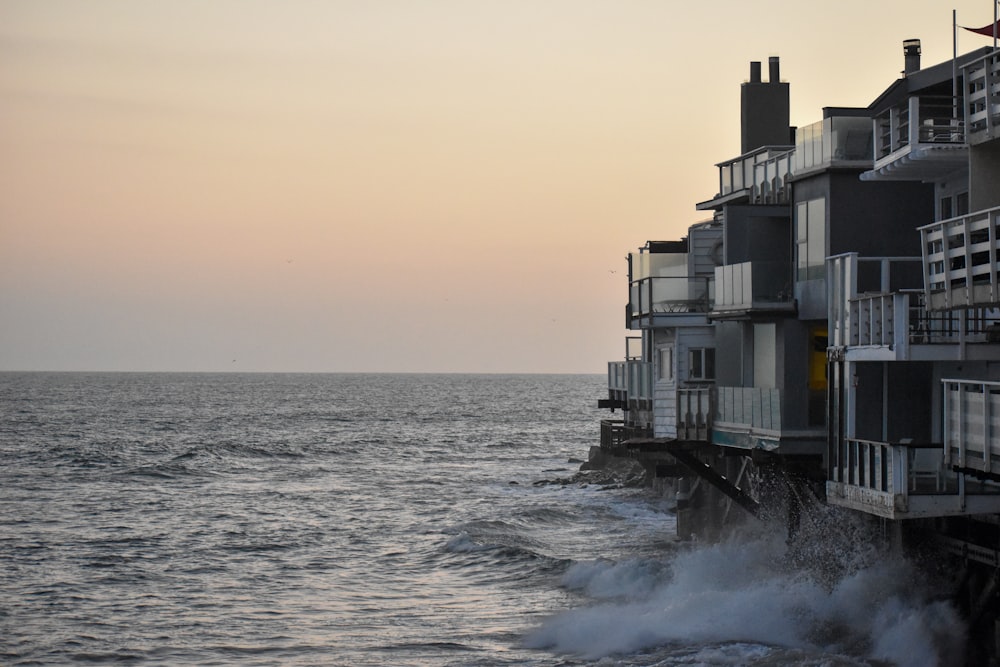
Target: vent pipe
755,71
911,56
773,74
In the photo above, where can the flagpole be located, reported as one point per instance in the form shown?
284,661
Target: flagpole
954,62
995,3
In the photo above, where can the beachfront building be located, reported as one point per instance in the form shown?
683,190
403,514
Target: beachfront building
663,384
834,325
915,359
832,335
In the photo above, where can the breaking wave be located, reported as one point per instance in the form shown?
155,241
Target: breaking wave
753,590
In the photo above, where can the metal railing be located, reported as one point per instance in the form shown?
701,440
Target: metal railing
613,434
669,294
738,174
927,119
899,318
770,179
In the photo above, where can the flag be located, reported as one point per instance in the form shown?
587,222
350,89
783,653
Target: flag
985,30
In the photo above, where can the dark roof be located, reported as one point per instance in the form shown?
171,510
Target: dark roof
924,79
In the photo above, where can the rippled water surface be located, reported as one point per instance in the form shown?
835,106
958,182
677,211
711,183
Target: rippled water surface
234,519
381,520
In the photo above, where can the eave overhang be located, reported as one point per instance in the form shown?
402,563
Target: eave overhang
921,163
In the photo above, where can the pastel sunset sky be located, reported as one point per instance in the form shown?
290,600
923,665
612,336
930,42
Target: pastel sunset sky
381,185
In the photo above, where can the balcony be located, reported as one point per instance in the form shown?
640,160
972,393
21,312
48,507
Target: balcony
972,426
891,326
877,319
747,417
630,385
771,179
960,261
901,481
905,480
749,287
669,301
982,98
923,138
837,141
739,177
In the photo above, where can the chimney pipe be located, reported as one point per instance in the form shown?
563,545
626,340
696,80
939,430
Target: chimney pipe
755,71
911,56
773,75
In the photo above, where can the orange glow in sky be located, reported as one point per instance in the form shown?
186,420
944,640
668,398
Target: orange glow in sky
381,185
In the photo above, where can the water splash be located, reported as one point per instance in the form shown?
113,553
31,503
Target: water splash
831,595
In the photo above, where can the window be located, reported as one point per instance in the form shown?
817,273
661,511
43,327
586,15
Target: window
666,369
946,208
701,363
962,203
810,239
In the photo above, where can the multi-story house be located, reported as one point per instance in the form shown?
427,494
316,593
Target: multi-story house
915,360
836,325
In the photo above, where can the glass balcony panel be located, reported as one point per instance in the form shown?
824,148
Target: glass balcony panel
725,179
751,284
671,294
850,139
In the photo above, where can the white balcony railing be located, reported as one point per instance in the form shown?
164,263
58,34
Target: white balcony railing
879,466
972,424
982,98
694,413
960,261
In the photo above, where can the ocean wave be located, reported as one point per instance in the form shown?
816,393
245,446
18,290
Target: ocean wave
747,591
510,558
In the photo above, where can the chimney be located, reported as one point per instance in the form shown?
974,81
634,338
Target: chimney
911,56
764,117
773,70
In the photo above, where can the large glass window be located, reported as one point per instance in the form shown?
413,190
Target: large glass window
810,239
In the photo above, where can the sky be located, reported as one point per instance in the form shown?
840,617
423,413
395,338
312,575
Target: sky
382,185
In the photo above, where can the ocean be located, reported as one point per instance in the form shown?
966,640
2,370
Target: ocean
411,520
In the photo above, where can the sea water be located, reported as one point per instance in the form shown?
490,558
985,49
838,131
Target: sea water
350,519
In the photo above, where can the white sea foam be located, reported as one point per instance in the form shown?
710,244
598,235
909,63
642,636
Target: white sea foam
752,590
607,580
